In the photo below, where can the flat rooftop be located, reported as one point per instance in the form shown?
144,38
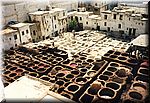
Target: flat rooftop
7,31
19,25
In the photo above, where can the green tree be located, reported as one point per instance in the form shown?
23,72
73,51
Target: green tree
72,25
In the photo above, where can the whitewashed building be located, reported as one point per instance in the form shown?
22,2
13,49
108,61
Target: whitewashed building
24,32
35,31
10,38
45,21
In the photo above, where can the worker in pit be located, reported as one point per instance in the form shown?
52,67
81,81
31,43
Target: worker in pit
131,49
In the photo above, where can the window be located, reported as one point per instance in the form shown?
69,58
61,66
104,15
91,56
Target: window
129,19
15,45
55,26
119,25
139,23
47,29
121,17
34,32
22,32
114,16
54,17
127,28
105,24
27,31
71,17
105,16
9,38
95,4
43,37
63,13
15,37
80,18
86,22
142,23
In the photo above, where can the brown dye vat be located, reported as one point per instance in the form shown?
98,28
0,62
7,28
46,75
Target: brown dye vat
142,78
108,73
30,64
113,56
86,98
50,60
59,59
75,56
57,68
110,51
69,76
35,67
60,82
8,66
41,64
41,70
103,77
139,86
90,60
107,54
16,77
78,61
112,85
75,72
12,68
83,70
24,64
106,92
122,58
60,90
135,95
26,59
60,75
19,70
33,74
44,58
53,57
36,62
117,53
112,69
82,58
12,74
121,73
114,64
6,72
88,67
81,80
144,71
17,56
54,62
39,56
73,88
46,78
124,54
